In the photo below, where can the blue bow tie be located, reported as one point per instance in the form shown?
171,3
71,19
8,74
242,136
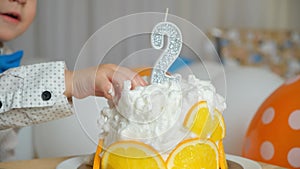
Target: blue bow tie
10,60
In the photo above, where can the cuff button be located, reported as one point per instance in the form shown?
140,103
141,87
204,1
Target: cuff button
46,95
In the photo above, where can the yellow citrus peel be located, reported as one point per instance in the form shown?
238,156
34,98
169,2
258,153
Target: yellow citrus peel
97,158
131,155
222,156
204,124
194,154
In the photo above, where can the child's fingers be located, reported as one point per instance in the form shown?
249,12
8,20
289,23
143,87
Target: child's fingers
104,88
128,74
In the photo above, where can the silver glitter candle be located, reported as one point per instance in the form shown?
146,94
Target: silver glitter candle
171,52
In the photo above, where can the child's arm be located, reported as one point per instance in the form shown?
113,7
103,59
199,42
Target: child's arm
102,81
33,94
41,92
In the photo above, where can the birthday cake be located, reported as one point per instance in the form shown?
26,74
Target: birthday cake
157,122
171,123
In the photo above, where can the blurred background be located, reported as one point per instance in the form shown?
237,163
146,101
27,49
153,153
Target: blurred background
258,43
68,24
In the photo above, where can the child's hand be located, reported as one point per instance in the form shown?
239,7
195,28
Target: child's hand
103,81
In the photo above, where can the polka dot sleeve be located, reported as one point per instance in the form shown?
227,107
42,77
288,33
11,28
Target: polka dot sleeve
33,94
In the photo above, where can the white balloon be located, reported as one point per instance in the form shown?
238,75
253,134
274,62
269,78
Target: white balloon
245,90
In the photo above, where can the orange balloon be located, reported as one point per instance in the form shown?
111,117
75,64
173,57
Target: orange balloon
273,135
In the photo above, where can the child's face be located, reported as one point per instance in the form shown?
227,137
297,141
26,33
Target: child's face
15,17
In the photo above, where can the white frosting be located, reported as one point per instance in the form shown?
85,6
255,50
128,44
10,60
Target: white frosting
154,114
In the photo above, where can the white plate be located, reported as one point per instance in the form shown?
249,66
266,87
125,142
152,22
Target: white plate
71,163
75,162
244,162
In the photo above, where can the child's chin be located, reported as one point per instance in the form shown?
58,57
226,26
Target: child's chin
7,37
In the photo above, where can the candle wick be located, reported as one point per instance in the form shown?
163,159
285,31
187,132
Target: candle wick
166,15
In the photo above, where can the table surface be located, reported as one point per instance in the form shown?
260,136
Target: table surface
51,163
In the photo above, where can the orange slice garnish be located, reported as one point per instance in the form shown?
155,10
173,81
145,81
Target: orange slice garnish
194,154
196,117
215,127
97,157
131,155
222,156
143,71
204,124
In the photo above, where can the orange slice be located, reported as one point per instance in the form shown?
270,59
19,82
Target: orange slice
194,154
131,155
146,71
97,158
143,71
196,117
222,157
215,127
205,125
